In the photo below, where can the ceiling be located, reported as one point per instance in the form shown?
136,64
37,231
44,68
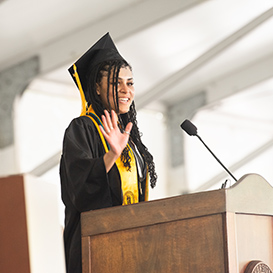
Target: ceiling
176,47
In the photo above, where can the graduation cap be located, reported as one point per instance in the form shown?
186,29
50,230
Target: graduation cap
103,50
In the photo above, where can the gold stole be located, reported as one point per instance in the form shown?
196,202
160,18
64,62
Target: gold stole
129,180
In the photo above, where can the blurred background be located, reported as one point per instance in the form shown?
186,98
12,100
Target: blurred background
207,61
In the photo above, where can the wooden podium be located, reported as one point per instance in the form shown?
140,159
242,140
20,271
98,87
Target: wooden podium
227,230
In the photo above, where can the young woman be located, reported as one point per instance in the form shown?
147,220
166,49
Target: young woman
104,162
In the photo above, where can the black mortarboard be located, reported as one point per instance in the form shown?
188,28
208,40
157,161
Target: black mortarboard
103,50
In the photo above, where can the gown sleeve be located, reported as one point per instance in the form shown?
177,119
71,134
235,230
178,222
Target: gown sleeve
84,179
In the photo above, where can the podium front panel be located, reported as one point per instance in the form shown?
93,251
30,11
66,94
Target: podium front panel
190,245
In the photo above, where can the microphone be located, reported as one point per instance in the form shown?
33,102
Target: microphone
191,130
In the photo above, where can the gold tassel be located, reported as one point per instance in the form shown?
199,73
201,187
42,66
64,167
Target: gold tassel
84,103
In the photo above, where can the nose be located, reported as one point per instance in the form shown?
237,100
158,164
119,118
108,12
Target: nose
124,88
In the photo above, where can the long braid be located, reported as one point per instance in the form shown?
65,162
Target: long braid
93,98
136,138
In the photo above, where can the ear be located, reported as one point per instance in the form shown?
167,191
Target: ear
98,89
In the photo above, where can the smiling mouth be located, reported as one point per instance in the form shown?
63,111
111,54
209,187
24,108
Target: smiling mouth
124,100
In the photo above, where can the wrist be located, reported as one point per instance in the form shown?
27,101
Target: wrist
109,160
114,156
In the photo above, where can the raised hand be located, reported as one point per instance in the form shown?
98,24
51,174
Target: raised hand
116,139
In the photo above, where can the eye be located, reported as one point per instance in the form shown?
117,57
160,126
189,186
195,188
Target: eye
130,83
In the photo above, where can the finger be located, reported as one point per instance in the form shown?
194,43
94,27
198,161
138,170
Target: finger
105,124
108,119
103,132
128,128
114,119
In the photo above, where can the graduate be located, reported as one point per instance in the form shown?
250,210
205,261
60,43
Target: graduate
104,162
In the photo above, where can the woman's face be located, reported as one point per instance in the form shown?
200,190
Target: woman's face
126,91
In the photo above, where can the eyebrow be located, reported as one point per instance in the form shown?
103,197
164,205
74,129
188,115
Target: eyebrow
125,78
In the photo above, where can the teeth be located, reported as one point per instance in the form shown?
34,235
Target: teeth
124,99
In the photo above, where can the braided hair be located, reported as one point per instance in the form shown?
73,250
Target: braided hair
112,68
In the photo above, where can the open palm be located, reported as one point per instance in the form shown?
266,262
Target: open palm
115,138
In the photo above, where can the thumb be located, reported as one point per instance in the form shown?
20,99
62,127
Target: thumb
129,127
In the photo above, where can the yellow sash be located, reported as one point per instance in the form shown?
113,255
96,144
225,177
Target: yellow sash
129,180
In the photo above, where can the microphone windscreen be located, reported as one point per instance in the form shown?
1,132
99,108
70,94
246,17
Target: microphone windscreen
189,128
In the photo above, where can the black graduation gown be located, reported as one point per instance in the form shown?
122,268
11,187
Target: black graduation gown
85,184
